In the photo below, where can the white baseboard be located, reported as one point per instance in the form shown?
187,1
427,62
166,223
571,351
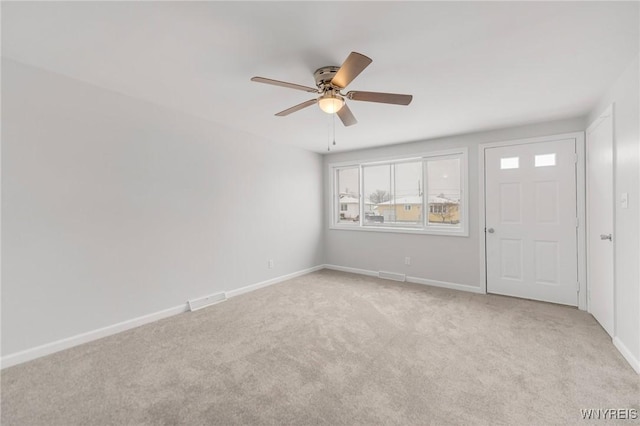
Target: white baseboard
444,284
352,270
415,280
252,287
69,342
626,353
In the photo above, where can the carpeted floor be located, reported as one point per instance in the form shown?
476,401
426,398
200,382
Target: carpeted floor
336,349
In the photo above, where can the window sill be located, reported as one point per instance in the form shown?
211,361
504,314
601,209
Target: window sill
401,230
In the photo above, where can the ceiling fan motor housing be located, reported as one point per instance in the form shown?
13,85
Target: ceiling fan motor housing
324,75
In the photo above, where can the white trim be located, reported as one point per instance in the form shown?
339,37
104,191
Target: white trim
482,225
608,111
335,197
581,200
408,157
393,276
206,301
69,342
400,230
252,287
352,270
445,284
549,138
626,353
579,139
414,280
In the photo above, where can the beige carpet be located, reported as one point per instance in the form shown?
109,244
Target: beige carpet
337,349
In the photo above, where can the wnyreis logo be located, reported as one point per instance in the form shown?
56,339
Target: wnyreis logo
610,414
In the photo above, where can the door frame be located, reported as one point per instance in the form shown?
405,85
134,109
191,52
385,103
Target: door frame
580,205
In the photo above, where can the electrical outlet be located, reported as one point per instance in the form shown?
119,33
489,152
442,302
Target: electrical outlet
270,263
407,260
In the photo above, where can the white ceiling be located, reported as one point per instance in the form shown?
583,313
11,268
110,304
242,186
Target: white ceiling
470,66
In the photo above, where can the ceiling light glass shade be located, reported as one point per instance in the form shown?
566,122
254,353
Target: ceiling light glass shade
330,103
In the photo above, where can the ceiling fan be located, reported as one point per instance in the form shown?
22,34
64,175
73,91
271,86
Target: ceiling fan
330,80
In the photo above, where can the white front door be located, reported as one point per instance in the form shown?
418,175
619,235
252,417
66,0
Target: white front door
531,220
600,220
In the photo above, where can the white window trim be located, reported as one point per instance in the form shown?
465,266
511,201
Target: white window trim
335,195
425,228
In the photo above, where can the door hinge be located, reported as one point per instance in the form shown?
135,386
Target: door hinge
577,222
575,158
578,287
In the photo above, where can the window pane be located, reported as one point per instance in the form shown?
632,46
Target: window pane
510,163
407,196
444,183
393,194
545,160
377,192
348,195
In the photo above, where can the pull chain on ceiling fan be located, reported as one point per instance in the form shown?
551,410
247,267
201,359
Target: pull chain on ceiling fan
330,80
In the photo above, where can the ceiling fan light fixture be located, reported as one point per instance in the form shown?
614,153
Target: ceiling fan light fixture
330,102
330,80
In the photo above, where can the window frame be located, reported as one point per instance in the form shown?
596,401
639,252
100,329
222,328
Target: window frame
425,227
335,196
392,178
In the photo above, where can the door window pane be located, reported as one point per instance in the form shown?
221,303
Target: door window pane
545,160
510,163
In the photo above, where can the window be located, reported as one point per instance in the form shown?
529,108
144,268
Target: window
391,191
443,176
394,195
545,160
348,194
437,208
510,163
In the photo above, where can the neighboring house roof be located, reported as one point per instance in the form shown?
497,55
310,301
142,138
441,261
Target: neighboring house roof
442,200
346,199
403,200
418,200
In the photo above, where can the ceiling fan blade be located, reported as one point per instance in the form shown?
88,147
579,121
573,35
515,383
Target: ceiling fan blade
346,116
352,66
284,84
384,98
297,107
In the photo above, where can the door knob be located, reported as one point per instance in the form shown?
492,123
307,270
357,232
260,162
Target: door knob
491,230
606,237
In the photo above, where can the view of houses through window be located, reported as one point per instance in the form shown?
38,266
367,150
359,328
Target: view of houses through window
395,191
444,191
398,193
348,183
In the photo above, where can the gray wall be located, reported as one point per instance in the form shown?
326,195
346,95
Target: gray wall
449,259
114,208
624,95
